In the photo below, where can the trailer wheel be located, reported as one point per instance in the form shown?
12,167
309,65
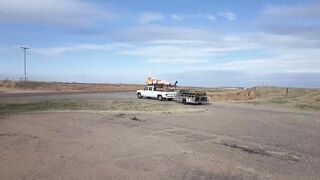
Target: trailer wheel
184,101
160,98
139,95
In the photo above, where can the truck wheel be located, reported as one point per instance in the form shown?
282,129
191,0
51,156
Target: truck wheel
139,95
184,101
160,98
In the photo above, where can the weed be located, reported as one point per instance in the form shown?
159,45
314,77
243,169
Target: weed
135,119
279,101
120,115
308,107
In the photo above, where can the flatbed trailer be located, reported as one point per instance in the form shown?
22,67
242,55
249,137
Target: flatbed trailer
188,96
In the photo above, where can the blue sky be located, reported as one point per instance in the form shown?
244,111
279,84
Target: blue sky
197,42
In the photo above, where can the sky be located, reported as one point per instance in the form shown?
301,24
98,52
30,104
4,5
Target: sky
210,43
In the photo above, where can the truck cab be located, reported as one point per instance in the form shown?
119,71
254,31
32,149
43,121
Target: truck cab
159,93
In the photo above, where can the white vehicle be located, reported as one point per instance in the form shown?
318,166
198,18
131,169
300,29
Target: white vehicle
152,92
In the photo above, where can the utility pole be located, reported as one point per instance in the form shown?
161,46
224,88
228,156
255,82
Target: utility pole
24,49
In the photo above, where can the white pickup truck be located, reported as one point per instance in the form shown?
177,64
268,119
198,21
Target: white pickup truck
151,92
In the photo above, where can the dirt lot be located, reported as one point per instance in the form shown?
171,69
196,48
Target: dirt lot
217,141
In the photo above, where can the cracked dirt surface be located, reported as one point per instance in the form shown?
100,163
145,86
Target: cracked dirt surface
221,142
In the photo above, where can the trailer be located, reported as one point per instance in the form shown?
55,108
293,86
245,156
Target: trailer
188,96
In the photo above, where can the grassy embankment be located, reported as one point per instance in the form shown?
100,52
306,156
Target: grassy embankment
297,98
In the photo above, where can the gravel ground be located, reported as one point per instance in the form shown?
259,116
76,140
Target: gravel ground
222,141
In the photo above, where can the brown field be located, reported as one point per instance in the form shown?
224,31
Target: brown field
297,98
62,86
231,94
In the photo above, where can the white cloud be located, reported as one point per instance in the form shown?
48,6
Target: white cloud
53,51
311,10
149,17
3,49
176,17
160,51
283,63
177,45
52,12
182,51
279,64
288,54
160,32
207,16
286,41
228,15
227,78
170,54
300,20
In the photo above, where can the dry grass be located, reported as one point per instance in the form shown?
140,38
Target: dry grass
298,98
231,94
61,86
152,106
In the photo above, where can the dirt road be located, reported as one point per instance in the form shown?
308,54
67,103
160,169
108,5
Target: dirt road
224,141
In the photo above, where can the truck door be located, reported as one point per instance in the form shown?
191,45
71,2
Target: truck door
150,91
145,91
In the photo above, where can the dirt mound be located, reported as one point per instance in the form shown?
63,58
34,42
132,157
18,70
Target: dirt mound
8,84
233,96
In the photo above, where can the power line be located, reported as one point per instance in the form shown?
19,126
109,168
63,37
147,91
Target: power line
24,49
